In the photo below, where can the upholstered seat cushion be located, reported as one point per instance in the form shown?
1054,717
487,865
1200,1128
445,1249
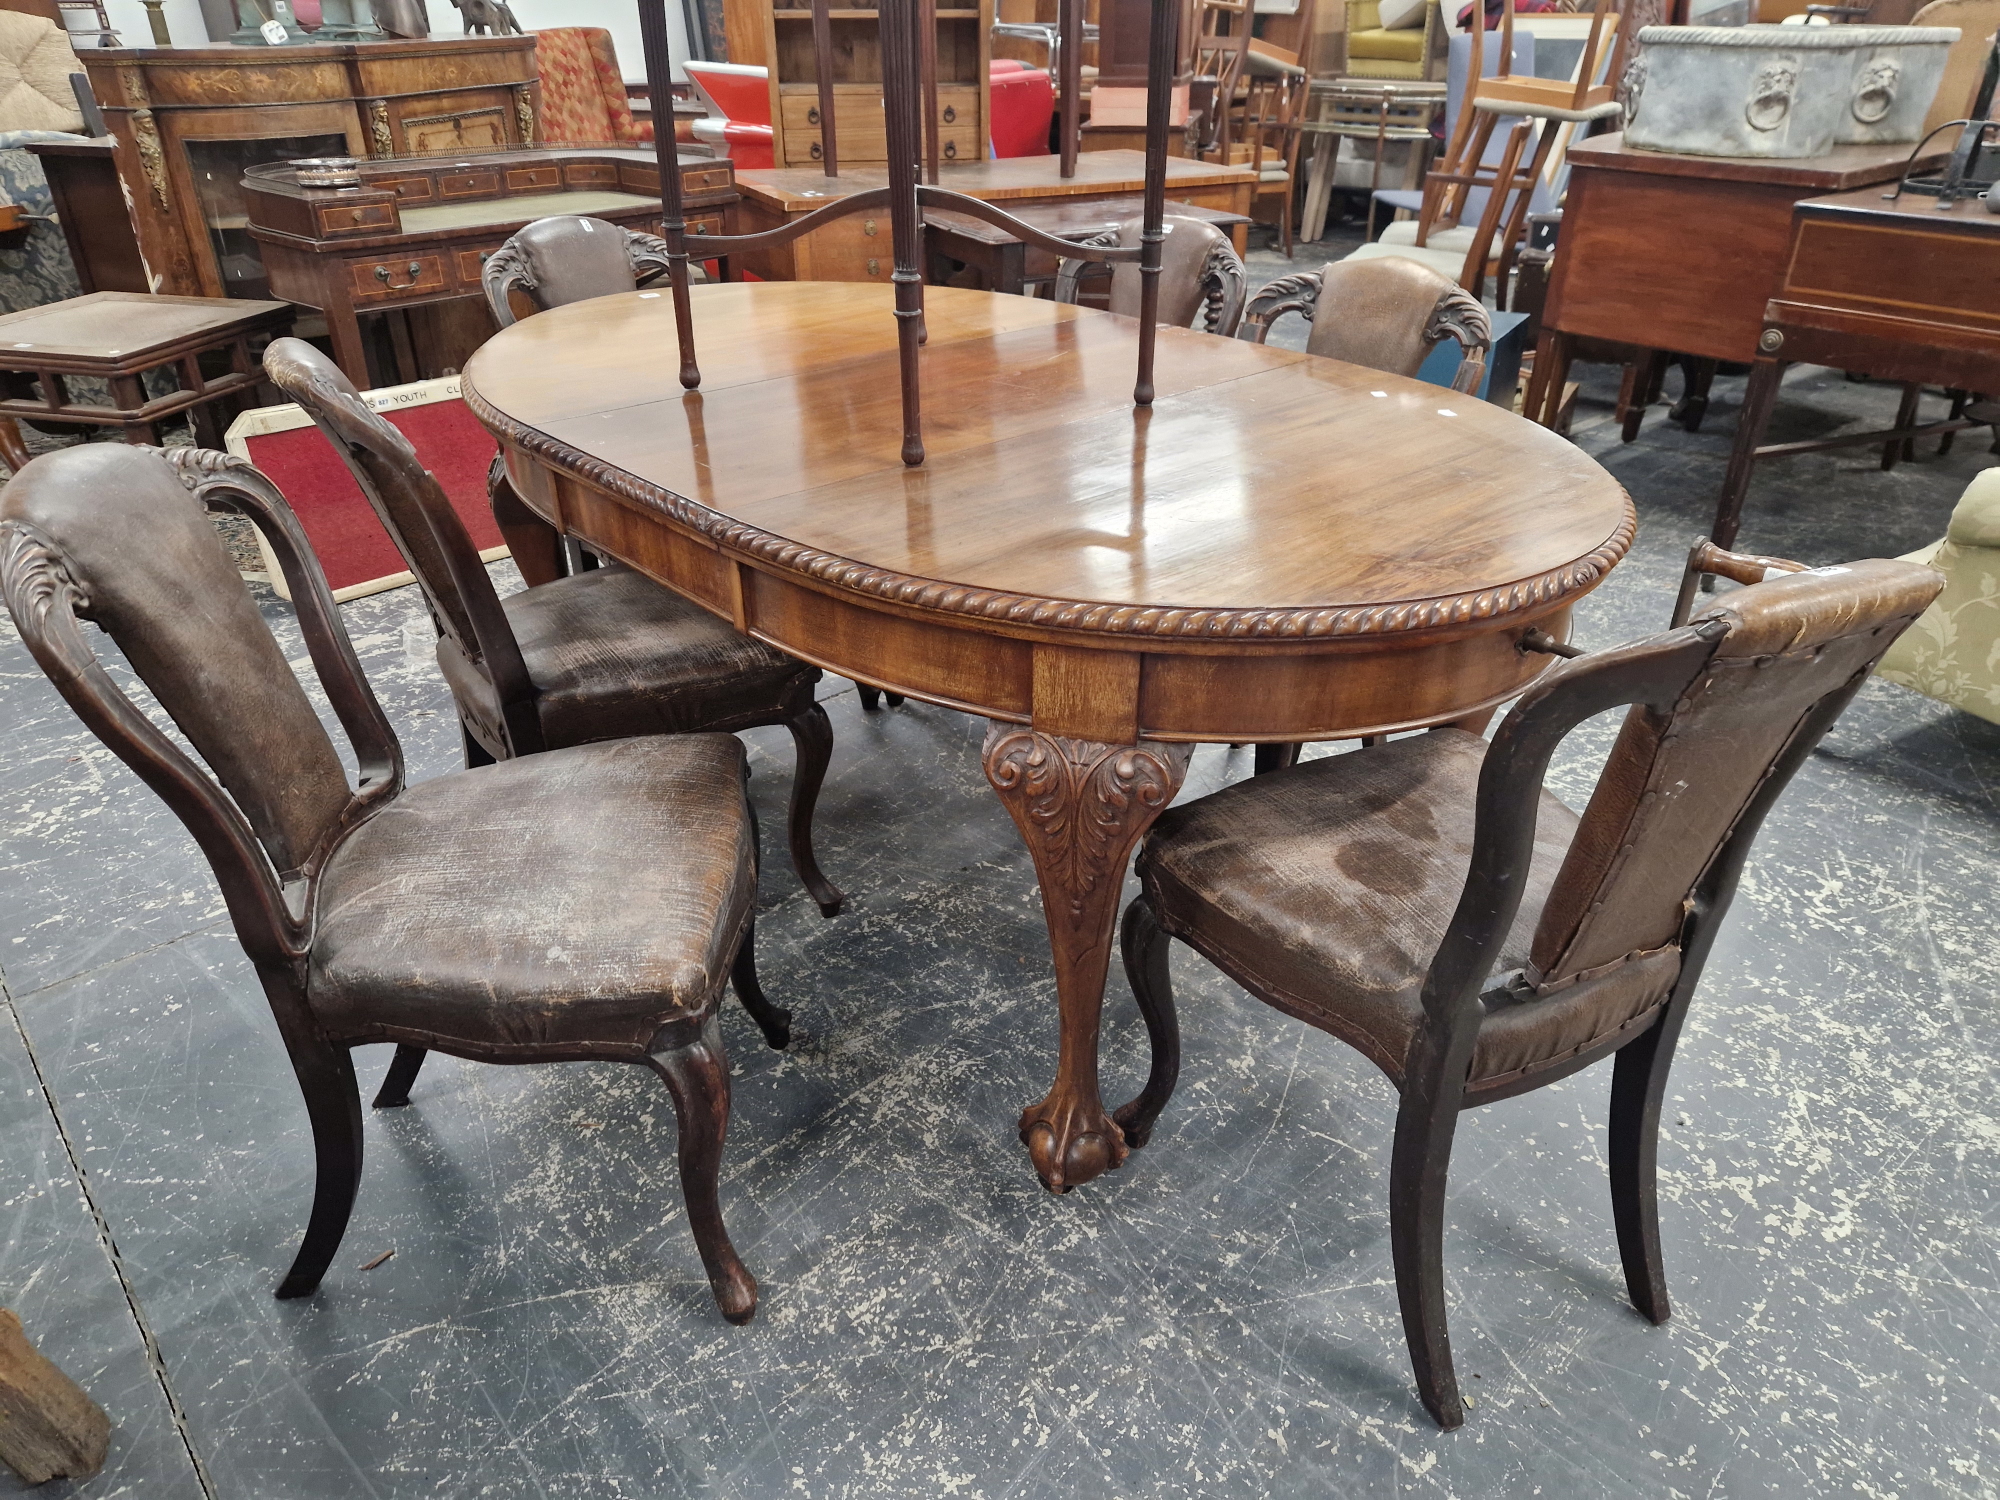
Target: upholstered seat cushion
1445,262
1456,237
613,654
1404,45
35,66
1328,887
576,898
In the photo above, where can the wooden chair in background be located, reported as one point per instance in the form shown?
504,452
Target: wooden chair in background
600,655
1386,314
1201,275
1512,942
585,904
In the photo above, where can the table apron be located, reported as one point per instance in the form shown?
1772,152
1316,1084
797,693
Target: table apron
1108,687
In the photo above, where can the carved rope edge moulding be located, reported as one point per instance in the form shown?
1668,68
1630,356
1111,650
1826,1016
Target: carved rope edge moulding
1091,616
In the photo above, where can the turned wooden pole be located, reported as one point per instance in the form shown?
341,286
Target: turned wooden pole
1162,55
673,223
900,95
822,23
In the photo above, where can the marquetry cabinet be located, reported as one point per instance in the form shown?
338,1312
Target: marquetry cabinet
188,122
780,37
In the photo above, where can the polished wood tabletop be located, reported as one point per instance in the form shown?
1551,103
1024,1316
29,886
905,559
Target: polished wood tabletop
1281,548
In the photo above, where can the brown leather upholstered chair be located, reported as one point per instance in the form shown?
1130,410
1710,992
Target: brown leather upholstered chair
1386,314
1200,273
584,904
568,258
1428,903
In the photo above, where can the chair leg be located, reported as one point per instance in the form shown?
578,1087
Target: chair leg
333,1104
696,1073
1906,416
812,738
1276,757
1417,1171
395,1090
1146,946
476,754
773,1020
1638,1085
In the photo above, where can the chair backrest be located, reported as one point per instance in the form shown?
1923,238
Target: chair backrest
1965,64
583,91
413,509
1386,314
1200,274
1686,769
568,258
113,534
1221,38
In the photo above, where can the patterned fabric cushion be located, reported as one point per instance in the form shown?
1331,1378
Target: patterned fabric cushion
35,64
583,91
1952,653
38,271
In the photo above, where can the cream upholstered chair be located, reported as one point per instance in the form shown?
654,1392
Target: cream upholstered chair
36,62
1952,653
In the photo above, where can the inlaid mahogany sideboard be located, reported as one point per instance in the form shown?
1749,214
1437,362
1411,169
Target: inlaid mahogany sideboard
1676,252
418,229
188,121
1280,548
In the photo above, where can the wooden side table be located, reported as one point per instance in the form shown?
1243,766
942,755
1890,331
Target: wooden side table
1364,109
1003,260
118,337
1679,252
1896,289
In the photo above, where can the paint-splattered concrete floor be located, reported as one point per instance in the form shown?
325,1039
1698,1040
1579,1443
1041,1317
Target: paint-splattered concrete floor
1217,1319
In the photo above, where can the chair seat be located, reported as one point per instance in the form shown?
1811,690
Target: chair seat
613,654
572,900
1273,174
1329,886
1457,237
1403,45
1445,262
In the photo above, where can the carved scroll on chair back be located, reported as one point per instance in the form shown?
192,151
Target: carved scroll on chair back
1201,275
1386,314
600,655
467,914
569,258
1513,942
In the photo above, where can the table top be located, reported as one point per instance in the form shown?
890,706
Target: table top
1842,168
1915,212
123,326
1070,217
801,189
1266,494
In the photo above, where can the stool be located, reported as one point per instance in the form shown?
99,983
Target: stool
117,337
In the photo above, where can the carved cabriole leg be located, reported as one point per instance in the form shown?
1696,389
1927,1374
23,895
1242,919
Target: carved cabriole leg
396,1083
1145,945
812,739
1081,806
690,1059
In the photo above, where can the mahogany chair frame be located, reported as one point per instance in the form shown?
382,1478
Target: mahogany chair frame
1652,676
1455,314
271,891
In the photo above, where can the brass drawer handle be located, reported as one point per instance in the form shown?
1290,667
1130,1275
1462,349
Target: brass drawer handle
868,227
874,268
416,270
382,274
951,114
950,150
815,151
812,117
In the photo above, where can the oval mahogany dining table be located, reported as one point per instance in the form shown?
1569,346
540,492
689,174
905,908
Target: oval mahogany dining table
1281,548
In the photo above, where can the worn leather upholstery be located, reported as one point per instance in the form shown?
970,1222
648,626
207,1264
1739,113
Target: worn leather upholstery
1329,886
564,259
1674,786
580,898
1378,313
612,654
600,653
156,579
1200,275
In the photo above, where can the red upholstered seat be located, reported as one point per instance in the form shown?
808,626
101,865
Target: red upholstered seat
583,90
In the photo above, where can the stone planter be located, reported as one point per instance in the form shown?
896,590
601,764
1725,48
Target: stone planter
1781,91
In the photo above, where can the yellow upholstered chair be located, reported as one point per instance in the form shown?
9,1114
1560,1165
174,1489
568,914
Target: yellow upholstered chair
1414,50
1952,653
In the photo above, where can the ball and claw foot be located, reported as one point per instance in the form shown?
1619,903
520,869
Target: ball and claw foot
1069,1146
